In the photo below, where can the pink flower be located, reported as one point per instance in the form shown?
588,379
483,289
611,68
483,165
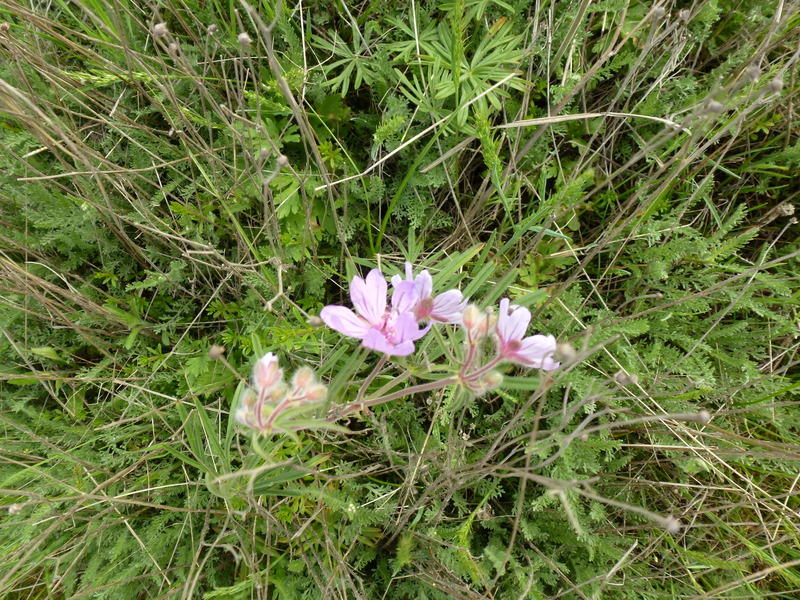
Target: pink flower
266,372
444,308
532,351
391,330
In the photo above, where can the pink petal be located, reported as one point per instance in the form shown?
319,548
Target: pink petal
424,283
512,326
369,296
376,340
405,296
448,306
406,328
409,271
344,320
266,372
537,351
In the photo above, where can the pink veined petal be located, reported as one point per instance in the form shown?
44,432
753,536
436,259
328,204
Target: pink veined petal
369,296
448,306
344,320
537,351
406,328
512,326
376,340
396,280
405,296
424,283
409,271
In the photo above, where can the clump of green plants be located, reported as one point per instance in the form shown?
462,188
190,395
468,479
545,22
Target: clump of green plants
190,195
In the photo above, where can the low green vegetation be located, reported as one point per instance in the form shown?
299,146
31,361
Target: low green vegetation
182,175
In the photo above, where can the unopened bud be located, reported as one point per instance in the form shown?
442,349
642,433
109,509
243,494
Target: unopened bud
303,378
212,29
752,73
471,316
623,378
315,321
216,351
160,30
776,85
672,525
704,417
267,373
173,48
4,27
684,15
659,12
244,39
282,161
492,380
565,353
714,107
316,393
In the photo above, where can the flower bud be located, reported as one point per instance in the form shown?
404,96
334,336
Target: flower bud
471,317
303,378
565,353
267,373
752,73
244,40
160,30
315,321
316,393
282,161
212,29
776,85
216,351
491,380
672,525
623,378
714,107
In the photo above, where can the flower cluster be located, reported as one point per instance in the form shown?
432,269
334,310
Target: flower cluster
508,330
393,327
270,397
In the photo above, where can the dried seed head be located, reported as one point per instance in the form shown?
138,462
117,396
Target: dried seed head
752,73
714,107
212,29
282,161
785,208
684,15
4,27
776,85
672,525
14,509
173,48
160,30
244,40
216,351
704,417
659,12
